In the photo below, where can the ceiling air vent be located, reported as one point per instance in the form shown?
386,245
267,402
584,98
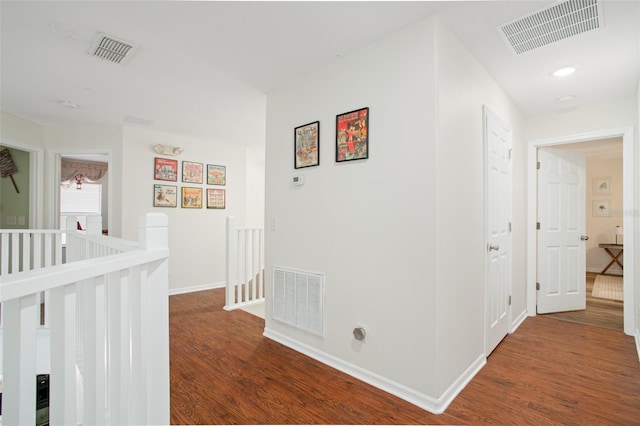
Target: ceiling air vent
561,20
111,49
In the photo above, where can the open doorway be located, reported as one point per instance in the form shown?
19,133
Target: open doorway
629,224
604,301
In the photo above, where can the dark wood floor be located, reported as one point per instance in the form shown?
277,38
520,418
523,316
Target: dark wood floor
223,371
600,312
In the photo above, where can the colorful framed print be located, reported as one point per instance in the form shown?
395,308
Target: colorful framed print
191,172
307,145
191,198
216,175
352,135
165,196
216,198
165,169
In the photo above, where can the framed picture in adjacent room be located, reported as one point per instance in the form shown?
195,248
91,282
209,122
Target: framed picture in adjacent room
601,208
307,145
165,196
352,135
602,185
216,198
216,175
165,169
191,172
191,197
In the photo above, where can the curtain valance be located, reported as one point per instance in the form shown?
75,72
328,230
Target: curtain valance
74,171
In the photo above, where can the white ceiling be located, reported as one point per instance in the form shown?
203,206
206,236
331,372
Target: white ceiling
203,68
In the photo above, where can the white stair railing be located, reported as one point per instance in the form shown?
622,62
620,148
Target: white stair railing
244,277
124,339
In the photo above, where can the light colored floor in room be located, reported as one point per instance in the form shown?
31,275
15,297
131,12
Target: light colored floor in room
257,310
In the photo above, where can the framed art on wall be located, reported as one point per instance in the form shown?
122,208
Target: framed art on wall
352,135
306,145
165,196
165,169
216,175
602,185
191,197
216,198
601,208
191,172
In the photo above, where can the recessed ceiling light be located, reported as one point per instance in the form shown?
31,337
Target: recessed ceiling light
566,98
563,72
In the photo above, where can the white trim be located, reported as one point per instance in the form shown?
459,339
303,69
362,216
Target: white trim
435,406
518,321
36,179
201,287
629,220
638,343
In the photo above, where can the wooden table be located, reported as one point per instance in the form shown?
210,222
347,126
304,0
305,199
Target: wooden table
614,257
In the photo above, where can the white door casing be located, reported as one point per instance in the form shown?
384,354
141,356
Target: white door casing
498,228
561,215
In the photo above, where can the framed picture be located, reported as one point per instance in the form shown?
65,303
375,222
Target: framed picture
601,208
165,196
191,198
352,135
602,185
191,172
306,145
216,198
216,175
165,169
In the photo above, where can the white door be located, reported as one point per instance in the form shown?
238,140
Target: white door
561,234
498,228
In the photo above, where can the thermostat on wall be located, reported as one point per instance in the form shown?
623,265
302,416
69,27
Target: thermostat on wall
297,180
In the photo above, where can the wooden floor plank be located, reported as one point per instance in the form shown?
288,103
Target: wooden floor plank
223,371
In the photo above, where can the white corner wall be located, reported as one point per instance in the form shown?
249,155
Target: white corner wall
369,225
18,129
464,87
196,236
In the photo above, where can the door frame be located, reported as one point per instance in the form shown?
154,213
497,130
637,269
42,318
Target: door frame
36,179
54,166
629,220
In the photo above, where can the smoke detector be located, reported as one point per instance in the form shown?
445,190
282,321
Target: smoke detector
563,19
112,49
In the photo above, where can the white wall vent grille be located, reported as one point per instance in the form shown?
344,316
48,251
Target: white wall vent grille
298,299
111,49
564,19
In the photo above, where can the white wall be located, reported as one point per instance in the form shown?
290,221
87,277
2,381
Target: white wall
20,130
400,235
464,86
601,229
369,225
196,236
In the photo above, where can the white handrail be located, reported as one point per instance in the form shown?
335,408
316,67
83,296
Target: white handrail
244,275
121,301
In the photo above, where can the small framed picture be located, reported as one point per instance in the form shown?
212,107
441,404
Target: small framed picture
191,198
165,196
216,198
352,135
306,145
165,169
191,172
601,208
602,185
216,175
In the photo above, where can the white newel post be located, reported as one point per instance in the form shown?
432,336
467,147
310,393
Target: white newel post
154,234
94,225
231,249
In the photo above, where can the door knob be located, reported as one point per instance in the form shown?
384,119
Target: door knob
584,237
494,247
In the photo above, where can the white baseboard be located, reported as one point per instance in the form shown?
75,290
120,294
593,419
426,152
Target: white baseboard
182,290
519,320
433,405
638,343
